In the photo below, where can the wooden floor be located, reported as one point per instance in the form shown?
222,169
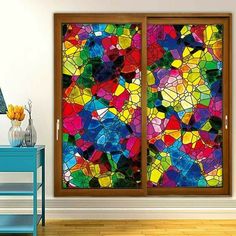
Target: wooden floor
139,228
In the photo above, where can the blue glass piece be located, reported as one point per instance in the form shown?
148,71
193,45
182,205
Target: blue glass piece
70,163
101,140
122,81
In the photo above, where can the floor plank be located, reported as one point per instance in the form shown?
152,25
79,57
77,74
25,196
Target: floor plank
137,228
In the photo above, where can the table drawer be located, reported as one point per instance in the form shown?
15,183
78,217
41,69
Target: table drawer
10,163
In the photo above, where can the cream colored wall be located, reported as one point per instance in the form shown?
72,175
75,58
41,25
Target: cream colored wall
26,71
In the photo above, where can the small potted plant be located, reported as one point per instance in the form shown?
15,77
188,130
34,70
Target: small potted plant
16,115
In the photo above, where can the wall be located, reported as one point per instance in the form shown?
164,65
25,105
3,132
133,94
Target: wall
26,65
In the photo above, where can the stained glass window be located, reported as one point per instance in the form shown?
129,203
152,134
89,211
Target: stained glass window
184,76
101,105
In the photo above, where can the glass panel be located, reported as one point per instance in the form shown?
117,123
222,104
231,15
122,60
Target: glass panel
101,105
184,76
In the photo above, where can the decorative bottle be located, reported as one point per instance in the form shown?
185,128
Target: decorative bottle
30,134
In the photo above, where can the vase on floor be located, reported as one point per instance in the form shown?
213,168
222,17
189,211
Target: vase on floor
15,134
30,135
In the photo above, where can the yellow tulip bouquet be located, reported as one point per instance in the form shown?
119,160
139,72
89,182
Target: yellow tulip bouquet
15,112
16,115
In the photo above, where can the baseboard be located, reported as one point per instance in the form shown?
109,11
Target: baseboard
130,213
123,202
128,208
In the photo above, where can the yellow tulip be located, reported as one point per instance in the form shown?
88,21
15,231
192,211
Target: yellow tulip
22,117
10,115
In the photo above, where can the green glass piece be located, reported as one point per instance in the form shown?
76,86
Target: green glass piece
119,31
87,73
85,82
65,137
166,60
110,28
78,61
112,163
77,136
205,102
84,54
213,182
79,179
211,65
152,97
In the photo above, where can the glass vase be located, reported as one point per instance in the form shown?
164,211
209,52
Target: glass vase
15,134
30,134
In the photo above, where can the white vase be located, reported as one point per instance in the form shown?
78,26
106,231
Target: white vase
15,134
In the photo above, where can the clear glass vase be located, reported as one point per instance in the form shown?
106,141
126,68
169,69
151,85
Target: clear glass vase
30,135
15,134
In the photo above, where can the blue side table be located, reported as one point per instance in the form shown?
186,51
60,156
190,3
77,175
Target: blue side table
23,159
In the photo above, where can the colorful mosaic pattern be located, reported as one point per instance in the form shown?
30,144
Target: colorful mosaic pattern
101,105
184,105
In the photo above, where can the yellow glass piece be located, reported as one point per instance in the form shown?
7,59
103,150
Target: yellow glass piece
186,118
194,61
187,138
126,31
125,115
150,78
219,172
86,98
186,105
197,54
196,136
66,71
185,30
189,88
71,50
113,110
176,63
180,88
196,95
156,173
68,44
104,181
69,68
204,89
208,57
175,134
155,176
207,126
79,96
208,33
187,51
213,182
135,98
152,113
132,87
185,75
77,72
119,90
193,76
166,103
161,115
124,42
166,96
171,93
95,169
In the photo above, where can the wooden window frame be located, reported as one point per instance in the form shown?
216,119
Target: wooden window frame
144,19
94,18
226,21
